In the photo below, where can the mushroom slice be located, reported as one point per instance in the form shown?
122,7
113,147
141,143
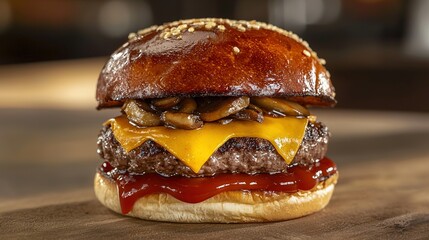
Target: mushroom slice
249,115
181,120
165,103
279,106
255,108
144,105
223,107
138,115
187,105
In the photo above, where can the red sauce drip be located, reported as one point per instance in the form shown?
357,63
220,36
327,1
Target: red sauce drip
194,190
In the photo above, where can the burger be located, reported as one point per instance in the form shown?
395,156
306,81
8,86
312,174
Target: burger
214,124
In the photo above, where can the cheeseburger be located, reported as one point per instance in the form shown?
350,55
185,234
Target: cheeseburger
214,124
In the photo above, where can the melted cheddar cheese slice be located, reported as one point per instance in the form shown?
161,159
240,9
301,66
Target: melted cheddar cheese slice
194,147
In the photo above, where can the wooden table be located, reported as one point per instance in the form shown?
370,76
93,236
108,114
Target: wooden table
47,161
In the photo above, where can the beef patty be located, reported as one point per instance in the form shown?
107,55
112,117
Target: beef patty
237,155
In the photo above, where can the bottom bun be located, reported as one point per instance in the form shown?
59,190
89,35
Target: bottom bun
226,207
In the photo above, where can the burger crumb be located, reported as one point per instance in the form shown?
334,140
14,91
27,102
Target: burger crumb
312,118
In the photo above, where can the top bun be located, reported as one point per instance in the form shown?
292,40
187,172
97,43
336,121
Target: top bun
214,57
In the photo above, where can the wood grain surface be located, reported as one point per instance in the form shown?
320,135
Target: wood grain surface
48,159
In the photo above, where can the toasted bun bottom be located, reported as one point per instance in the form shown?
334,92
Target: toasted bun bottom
226,207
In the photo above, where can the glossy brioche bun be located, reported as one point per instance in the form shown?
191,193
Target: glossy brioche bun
214,57
226,207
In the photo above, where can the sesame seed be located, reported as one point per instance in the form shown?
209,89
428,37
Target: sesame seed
167,35
221,28
132,35
294,35
199,23
306,53
175,31
305,43
254,26
191,29
183,26
241,28
210,25
236,50
322,61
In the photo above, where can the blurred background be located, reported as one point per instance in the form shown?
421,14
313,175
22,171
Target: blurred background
51,52
377,50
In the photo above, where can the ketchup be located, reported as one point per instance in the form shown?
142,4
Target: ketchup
195,190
